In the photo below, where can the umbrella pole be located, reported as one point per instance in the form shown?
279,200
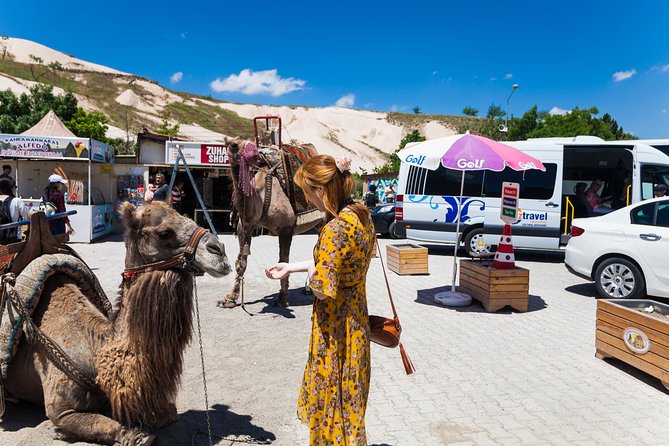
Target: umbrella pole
457,233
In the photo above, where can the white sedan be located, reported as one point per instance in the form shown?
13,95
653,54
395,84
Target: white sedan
625,252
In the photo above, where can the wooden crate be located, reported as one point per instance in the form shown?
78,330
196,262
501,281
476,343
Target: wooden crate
495,288
638,339
407,259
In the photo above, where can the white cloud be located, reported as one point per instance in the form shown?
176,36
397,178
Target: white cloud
346,101
176,77
664,110
184,34
434,73
394,108
660,68
493,78
622,75
250,82
558,111
508,75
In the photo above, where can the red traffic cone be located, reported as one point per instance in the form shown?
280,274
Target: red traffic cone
504,256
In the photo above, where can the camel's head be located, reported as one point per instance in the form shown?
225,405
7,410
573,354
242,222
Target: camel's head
156,232
234,146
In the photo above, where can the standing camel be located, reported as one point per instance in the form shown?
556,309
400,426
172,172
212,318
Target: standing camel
261,202
132,359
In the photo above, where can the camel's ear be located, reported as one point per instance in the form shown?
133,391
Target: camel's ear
127,212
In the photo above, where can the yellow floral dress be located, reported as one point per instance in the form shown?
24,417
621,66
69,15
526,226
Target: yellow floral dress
333,396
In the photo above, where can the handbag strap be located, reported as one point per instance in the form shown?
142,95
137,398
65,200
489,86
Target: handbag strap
385,276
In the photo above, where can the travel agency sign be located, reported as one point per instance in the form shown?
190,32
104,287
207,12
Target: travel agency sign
197,153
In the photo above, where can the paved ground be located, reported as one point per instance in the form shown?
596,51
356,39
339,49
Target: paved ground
505,378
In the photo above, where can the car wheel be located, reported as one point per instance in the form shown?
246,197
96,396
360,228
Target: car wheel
619,279
474,243
391,231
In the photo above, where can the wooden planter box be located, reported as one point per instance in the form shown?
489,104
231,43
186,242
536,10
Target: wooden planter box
637,338
495,288
407,259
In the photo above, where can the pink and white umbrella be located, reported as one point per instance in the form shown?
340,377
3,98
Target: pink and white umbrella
465,152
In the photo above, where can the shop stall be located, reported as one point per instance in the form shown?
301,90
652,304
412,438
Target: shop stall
85,163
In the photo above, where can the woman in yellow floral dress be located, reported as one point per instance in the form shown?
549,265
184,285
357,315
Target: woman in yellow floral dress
333,396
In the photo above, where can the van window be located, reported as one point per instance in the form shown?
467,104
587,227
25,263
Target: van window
651,176
534,184
446,182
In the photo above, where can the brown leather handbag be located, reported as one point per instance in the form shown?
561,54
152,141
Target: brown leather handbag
385,331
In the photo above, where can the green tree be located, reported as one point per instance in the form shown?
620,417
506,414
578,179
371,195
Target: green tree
495,111
89,125
167,129
470,111
393,163
416,110
18,114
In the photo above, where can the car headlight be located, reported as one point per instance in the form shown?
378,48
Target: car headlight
385,209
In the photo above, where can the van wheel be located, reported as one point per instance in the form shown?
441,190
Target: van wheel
475,245
619,279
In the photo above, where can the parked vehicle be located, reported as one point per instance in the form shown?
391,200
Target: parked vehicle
428,201
624,252
383,217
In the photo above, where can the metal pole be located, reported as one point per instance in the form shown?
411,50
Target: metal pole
457,234
506,125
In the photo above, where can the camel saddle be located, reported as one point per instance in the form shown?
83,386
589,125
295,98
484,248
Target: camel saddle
39,258
283,163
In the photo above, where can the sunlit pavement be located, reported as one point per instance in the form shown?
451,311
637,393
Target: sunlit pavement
482,378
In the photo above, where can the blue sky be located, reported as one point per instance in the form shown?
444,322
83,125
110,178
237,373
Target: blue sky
438,55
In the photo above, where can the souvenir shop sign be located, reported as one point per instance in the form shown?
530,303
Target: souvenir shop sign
27,146
197,153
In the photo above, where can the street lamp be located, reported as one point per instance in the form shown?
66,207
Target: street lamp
506,124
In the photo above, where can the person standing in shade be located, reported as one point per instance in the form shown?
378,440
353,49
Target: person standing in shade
371,199
6,172
335,386
178,194
390,193
53,193
12,209
162,192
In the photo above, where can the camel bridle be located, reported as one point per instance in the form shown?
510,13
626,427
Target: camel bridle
183,260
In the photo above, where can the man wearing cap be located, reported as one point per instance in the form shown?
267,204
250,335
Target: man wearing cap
53,194
660,190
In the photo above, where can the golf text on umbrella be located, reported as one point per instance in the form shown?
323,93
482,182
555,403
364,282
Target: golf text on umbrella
417,160
464,164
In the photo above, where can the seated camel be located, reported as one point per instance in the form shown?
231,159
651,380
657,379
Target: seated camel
132,360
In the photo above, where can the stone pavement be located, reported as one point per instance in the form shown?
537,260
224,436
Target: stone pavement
506,378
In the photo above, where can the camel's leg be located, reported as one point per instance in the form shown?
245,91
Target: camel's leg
244,237
75,423
285,239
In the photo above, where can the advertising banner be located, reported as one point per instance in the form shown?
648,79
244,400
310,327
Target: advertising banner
27,146
101,152
197,153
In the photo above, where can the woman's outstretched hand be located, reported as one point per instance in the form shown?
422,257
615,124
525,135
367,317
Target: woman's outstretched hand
278,271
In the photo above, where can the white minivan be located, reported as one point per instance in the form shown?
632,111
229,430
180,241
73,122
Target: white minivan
427,201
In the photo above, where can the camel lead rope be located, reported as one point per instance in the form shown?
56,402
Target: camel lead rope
204,376
242,293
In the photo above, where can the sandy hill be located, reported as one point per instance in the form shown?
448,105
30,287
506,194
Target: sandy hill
133,102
